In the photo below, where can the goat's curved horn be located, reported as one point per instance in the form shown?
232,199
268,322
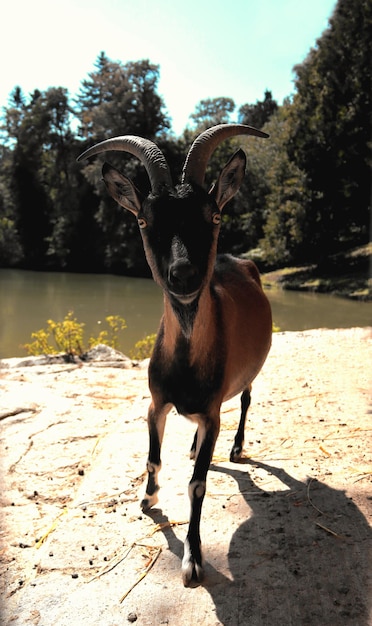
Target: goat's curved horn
145,150
203,146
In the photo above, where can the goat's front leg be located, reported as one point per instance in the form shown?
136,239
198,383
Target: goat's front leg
156,423
192,562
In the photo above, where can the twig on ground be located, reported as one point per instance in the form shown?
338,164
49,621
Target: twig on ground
311,502
143,574
50,530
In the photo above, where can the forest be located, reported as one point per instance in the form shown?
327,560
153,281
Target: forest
306,195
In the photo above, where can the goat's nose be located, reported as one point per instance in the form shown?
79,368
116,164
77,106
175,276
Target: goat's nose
182,272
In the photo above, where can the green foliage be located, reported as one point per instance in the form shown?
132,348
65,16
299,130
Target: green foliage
68,336
143,348
332,129
286,196
258,114
10,248
212,111
115,92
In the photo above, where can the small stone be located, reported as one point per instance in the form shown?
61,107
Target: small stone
132,617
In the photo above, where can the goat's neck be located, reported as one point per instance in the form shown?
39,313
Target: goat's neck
195,326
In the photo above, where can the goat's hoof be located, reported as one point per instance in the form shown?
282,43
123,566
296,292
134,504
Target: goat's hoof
149,501
236,454
192,574
192,568
192,454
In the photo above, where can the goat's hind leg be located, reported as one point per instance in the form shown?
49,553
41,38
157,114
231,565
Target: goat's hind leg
193,446
237,449
156,423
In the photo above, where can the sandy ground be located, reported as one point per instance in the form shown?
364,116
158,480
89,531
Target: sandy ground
286,532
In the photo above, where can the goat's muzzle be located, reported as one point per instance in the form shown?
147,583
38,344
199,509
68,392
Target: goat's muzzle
184,281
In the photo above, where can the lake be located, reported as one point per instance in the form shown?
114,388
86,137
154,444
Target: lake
28,299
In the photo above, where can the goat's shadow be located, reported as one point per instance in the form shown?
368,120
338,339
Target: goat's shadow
302,557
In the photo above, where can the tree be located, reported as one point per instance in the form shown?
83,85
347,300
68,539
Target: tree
243,216
11,251
212,111
286,201
258,114
28,123
44,221
332,130
10,246
120,99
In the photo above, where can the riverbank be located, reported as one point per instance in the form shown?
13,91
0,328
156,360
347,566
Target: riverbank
346,275
286,532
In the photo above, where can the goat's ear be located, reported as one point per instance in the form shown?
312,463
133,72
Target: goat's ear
229,179
121,189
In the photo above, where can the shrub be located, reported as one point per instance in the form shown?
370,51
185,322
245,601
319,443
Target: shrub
143,348
110,337
68,336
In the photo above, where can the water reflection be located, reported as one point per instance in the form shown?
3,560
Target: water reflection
303,311
28,299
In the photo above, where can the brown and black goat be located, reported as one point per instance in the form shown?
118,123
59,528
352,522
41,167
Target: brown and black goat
215,333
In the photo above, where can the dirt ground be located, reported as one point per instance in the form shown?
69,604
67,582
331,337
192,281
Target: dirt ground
286,532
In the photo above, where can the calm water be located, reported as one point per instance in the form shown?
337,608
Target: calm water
29,299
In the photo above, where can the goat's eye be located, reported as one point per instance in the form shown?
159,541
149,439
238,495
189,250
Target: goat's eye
216,218
142,222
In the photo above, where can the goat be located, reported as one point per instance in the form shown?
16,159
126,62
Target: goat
215,332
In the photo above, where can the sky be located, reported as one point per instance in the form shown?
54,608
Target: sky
204,49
